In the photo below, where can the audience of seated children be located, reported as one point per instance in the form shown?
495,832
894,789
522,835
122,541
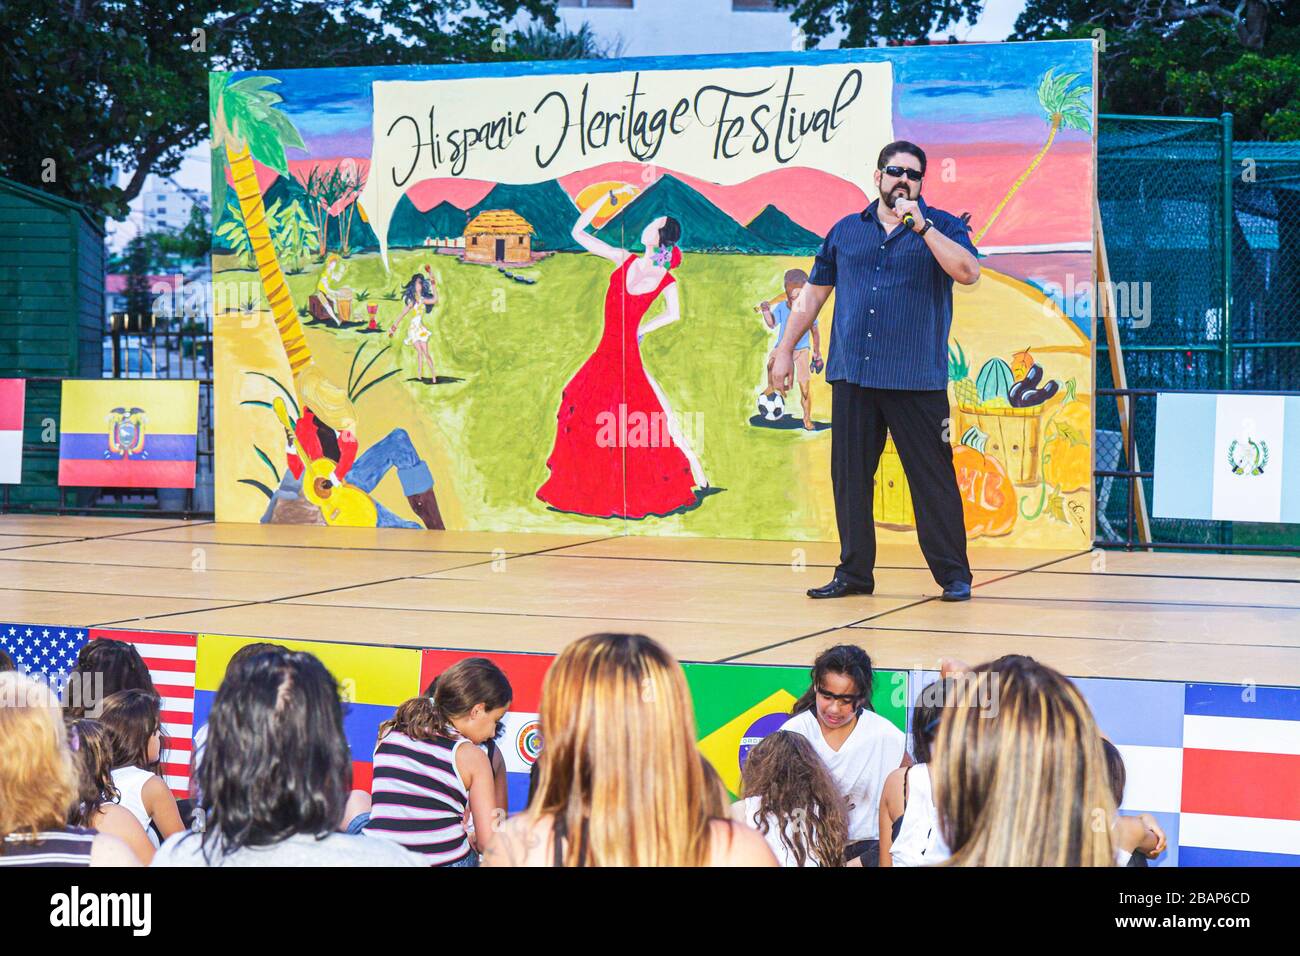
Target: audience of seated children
1008,768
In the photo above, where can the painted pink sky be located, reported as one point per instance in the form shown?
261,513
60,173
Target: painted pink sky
1051,207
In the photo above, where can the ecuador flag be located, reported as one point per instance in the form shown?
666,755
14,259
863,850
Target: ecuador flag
129,433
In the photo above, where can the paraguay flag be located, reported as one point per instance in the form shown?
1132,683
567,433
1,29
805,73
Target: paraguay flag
12,394
129,433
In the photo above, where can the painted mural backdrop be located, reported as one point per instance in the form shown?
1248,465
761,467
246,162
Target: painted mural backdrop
542,296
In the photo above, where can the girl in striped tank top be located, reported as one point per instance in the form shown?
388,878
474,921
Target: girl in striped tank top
429,770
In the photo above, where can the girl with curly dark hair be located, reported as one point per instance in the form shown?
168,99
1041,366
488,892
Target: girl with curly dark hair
791,798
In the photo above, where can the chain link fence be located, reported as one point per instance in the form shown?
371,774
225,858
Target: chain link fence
1202,241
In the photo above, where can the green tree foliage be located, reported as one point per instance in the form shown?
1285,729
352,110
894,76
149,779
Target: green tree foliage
89,87
234,235
536,42
294,234
1189,59
1175,58
870,22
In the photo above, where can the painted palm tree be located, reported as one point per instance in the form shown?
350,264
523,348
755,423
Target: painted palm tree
1066,106
247,125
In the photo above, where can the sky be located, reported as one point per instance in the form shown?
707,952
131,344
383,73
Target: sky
996,23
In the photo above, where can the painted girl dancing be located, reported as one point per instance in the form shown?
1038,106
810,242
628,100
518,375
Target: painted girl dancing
421,291
625,477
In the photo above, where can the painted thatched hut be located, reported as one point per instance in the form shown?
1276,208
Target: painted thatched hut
498,235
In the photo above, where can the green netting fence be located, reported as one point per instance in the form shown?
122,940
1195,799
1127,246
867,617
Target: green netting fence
1203,237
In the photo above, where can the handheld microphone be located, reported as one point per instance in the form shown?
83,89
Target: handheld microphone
909,220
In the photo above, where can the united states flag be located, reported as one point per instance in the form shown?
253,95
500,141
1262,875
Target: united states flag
41,651
49,653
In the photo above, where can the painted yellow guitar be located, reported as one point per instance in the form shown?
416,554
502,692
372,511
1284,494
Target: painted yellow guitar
340,504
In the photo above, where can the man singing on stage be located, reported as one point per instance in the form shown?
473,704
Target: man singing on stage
892,266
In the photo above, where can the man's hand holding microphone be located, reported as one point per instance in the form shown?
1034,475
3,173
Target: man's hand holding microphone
909,211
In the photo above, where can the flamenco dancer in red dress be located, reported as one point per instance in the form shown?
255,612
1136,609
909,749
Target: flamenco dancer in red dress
619,450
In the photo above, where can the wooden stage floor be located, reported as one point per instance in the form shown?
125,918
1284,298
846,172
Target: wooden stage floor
1156,616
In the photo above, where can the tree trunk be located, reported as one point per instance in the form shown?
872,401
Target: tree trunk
997,211
268,266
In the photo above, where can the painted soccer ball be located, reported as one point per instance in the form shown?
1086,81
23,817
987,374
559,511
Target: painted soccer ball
771,407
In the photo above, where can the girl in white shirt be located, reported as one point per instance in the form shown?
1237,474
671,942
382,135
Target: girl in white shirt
96,807
909,825
859,747
790,798
133,720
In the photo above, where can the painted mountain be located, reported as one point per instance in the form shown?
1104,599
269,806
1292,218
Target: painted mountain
705,227
546,206
409,227
782,233
361,238
286,189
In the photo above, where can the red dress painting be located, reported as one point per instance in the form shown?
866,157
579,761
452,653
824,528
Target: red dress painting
613,454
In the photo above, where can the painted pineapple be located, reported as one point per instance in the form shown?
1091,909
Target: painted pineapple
963,389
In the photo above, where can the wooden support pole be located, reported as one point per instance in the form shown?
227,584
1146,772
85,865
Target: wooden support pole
1105,303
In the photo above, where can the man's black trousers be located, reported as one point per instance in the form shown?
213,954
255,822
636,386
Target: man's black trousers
919,424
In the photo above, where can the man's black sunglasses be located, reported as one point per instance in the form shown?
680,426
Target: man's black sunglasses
898,171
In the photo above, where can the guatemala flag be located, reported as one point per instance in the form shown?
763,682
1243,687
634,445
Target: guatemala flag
1227,457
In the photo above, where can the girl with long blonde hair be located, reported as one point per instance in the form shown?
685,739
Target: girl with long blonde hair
38,785
622,783
1019,774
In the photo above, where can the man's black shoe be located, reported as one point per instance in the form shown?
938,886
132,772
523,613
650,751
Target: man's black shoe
839,588
957,591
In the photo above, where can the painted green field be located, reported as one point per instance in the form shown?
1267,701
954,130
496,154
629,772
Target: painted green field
514,347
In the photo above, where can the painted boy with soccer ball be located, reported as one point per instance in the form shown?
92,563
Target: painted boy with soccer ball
806,361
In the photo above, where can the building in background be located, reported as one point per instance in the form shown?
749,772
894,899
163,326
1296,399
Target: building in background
166,208
675,27
51,310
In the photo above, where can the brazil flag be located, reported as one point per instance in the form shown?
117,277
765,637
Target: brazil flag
736,705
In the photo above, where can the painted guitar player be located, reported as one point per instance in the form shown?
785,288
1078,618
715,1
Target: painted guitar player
326,429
